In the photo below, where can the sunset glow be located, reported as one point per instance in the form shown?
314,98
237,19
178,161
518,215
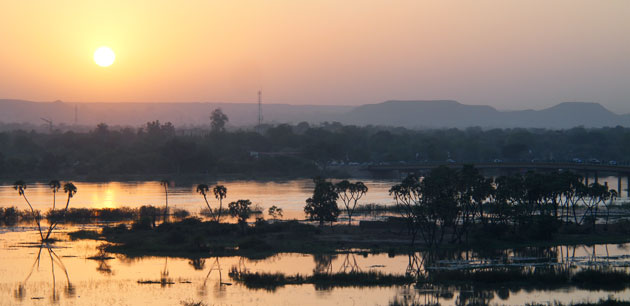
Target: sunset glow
319,52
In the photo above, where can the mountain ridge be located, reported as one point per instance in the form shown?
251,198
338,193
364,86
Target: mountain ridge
404,113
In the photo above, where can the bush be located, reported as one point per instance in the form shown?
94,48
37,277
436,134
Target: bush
9,215
143,224
180,213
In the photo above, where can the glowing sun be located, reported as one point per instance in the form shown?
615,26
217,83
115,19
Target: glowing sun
104,56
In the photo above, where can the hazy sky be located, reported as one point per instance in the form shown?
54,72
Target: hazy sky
509,54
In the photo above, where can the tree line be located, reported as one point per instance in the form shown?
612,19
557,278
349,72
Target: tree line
302,149
448,203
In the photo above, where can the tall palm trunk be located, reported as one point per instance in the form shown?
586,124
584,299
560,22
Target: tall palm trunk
205,198
218,216
166,208
39,227
63,216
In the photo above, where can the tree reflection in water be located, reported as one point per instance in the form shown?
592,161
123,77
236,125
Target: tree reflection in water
481,277
198,264
323,263
69,289
349,264
101,257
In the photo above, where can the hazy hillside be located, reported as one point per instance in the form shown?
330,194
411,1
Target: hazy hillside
438,114
17,111
411,114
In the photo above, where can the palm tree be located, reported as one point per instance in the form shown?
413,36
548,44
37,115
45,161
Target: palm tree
203,190
54,185
20,186
165,183
71,190
220,192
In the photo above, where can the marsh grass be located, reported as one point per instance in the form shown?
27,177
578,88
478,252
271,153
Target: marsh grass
610,301
540,277
321,281
12,215
114,214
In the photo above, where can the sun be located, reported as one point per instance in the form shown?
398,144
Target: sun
104,56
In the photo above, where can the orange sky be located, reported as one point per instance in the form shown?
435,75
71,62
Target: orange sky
509,54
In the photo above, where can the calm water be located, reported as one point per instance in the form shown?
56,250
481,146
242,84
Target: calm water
25,281
289,195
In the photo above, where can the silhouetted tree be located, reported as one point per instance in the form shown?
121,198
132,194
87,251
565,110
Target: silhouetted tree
275,212
203,190
439,208
242,211
220,192
165,184
350,194
71,190
54,186
408,195
322,206
218,120
101,129
20,186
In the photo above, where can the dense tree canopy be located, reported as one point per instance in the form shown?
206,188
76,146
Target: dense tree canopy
322,206
298,150
447,202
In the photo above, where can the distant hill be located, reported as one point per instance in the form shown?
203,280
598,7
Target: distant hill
447,113
419,114
410,114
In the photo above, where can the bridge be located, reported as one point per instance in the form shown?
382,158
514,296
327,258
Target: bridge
586,169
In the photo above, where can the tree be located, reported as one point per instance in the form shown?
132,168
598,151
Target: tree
71,190
350,194
475,189
439,209
101,129
408,195
275,212
203,190
322,206
20,186
165,184
218,120
242,211
54,186
220,192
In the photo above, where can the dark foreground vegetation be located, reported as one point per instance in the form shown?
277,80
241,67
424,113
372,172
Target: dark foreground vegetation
542,278
321,281
603,302
285,150
192,237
